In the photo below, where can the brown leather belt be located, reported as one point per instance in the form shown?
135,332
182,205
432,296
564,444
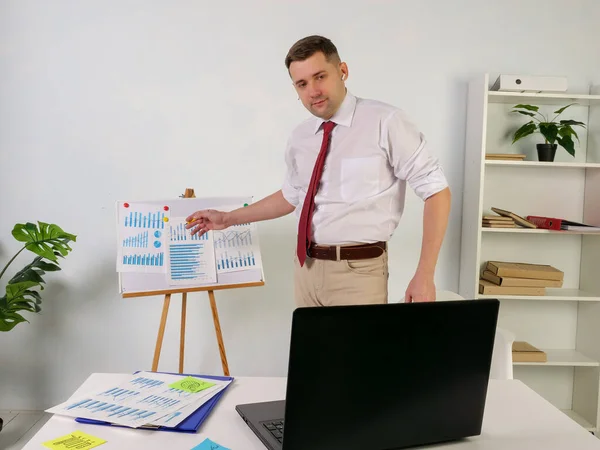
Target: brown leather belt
361,251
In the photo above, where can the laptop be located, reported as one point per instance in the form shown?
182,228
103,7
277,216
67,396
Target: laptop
381,377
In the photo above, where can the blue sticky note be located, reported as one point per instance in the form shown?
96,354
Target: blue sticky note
207,444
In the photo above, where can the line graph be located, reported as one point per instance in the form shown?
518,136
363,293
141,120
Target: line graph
230,239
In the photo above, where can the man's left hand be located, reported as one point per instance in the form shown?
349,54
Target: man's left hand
420,289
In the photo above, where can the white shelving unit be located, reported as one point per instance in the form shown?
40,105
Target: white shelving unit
565,322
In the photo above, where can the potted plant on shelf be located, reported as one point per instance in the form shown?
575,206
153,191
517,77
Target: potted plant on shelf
49,242
553,131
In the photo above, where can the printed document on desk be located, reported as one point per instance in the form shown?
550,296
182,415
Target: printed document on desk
144,399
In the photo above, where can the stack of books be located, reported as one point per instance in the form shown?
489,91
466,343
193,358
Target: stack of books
504,156
512,278
498,222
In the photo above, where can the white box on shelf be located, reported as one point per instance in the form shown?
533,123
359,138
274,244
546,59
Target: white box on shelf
528,83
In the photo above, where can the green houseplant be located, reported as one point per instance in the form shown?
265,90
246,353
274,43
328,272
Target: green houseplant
554,132
49,242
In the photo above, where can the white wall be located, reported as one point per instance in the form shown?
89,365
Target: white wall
104,100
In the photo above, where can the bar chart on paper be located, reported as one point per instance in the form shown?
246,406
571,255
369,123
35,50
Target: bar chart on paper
150,219
236,261
137,241
191,258
178,232
236,248
142,237
145,260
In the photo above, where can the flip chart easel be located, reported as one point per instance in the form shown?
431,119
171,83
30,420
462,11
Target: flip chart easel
189,193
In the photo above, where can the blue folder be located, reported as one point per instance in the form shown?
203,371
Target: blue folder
190,424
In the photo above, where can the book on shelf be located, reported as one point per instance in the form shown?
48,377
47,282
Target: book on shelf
505,156
489,288
524,282
518,219
498,222
525,352
498,225
524,270
553,223
492,224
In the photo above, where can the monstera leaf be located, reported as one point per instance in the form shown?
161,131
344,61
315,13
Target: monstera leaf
18,298
49,242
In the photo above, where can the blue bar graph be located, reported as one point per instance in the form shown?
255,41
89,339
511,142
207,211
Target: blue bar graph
143,382
185,261
138,241
179,234
240,260
152,220
147,259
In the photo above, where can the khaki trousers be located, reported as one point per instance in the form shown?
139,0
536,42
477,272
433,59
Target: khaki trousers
345,282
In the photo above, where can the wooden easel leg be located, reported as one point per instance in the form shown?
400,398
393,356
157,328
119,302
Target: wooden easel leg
161,332
215,314
182,335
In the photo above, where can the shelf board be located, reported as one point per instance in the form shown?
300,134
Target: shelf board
559,294
545,98
580,420
535,231
538,164
563,358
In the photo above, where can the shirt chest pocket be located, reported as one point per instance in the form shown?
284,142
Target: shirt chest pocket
359,178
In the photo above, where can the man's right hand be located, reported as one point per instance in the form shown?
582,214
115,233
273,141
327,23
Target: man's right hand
208,219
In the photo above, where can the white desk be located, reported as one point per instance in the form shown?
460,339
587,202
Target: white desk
515,418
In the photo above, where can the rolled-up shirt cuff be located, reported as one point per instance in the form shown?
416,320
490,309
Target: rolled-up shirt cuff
290,194
429,184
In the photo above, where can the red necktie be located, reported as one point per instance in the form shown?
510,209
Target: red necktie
304,227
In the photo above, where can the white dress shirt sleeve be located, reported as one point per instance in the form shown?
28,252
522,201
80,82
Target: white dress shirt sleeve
410,157
290,188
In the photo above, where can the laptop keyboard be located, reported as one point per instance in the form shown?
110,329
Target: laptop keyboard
275,427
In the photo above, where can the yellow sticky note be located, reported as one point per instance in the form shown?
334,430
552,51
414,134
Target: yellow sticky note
191,384
75,440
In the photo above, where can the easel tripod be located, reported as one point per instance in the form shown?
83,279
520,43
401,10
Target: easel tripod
189,193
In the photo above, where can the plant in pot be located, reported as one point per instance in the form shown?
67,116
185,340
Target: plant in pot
49,242
554,132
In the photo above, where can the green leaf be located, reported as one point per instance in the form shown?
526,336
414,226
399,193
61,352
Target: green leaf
549,130
567,131
20,298
527,107
525,130
567,143
572,122
525,113
8,320
17,291
48,240
34,271
559,111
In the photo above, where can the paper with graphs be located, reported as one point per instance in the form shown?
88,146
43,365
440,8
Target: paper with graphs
144,399
237,248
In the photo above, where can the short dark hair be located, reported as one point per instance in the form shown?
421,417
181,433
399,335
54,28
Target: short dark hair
308,46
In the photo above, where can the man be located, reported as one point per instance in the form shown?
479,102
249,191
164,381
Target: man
347,170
